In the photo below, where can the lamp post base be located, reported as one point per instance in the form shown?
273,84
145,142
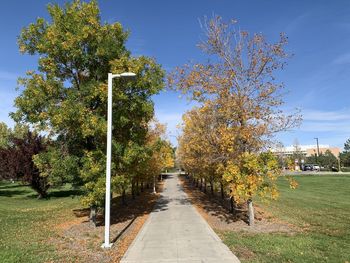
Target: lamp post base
106,246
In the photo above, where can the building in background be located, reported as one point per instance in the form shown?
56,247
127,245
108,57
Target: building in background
306,150
305,157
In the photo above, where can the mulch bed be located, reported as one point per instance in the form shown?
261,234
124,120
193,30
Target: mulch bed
220,219
79,241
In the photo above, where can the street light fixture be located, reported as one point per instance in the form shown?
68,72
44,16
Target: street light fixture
318,149
111,76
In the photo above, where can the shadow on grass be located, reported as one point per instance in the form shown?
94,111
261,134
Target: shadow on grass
57,194
65,193
11,193
12,185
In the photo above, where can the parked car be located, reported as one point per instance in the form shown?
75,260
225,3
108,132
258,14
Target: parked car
311,167
307,167
334,169
316,167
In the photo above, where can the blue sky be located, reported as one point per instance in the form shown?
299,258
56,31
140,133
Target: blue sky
317,77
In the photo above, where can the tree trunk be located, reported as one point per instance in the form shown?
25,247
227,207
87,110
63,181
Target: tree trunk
133,190
201,184
250,212
142,187
222,191
211,188
42,195
154,185
232,205
92,216
123,198
205,186
138,188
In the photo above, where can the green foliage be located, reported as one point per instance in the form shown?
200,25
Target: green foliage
57,167
347,146
327,160
4,135
67,95
92,171
345,155
345,169
19,131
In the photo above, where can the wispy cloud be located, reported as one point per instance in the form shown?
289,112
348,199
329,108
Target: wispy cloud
342,59
5,75
296,23
319,115
326,127
332,127
326,121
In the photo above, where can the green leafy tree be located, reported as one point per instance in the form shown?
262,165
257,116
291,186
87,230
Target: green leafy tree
347,146
5,132
327,160
345,155
19,131
67,95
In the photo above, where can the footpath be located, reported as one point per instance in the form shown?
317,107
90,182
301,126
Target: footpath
175,232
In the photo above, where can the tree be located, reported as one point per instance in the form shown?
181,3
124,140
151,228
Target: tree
16,161
297,155
67,96
326,159
238,82
4,135
345,155
347,146
159,152
167,155
201,148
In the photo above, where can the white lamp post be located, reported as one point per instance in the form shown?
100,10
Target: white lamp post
111,76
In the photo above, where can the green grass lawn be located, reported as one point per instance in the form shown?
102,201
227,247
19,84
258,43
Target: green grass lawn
320,206
26,223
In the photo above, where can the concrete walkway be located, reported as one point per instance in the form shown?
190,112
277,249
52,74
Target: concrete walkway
175,232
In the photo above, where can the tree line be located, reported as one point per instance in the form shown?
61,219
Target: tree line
63,105
226,138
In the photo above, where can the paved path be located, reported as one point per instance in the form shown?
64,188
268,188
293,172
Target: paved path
175,232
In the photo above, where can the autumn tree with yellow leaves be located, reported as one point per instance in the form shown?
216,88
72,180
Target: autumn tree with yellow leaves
160,155
227,138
